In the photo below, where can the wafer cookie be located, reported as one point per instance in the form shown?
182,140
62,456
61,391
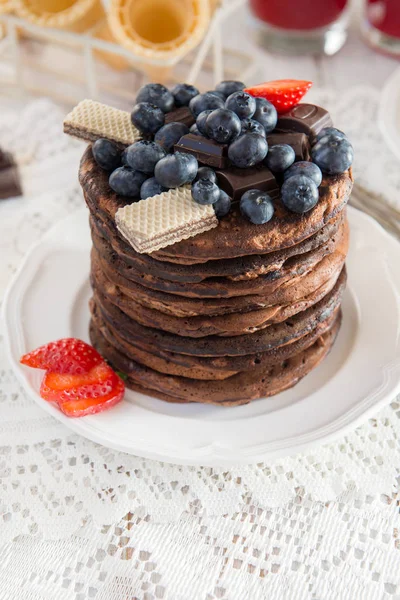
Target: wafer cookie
163,220
91,120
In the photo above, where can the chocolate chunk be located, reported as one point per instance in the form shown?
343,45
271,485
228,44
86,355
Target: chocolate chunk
10,185
206,151
180,115
305,118
298,141
236,181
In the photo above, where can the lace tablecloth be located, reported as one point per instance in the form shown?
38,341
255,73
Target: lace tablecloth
79,521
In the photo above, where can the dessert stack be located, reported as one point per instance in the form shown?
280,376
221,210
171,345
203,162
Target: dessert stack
219,234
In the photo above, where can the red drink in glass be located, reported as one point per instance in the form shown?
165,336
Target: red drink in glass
382,25
305,26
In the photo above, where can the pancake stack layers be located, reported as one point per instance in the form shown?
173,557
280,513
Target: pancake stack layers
240,312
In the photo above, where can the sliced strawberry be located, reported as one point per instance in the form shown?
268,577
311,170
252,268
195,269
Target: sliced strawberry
283,93
54,384
68,355
79,407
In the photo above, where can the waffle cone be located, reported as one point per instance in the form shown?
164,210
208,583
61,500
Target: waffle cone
72,15
6,6
160,32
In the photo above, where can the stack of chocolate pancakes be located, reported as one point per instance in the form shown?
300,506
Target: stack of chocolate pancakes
237,313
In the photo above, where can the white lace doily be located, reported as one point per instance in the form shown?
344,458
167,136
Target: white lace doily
79,521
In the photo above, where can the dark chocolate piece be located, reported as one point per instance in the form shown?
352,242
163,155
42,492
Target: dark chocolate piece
298,141
206,151
305,118
235,182
10,185
180,115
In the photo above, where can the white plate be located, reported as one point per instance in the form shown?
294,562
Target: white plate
389,112
48,299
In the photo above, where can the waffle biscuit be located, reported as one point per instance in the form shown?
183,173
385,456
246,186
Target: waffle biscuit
91,120
165,219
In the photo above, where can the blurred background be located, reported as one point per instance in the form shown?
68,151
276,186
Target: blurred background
54,53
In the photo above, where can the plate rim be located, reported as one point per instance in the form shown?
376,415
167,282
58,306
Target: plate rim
213,454
387,112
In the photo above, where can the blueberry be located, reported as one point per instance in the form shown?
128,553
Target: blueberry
228,87
123,158
306,168
144,155
223,205
242,104
194,129
217,93
299,194
176,169
150,188
280,157
126,182
331,132
257,206
106,154
266,114
206,173
183,93
248,150
205,101
333,155
223,126
157,94
205,191
170,134
252,126
201,121
148,118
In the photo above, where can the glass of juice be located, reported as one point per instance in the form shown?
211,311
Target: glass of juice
381,25
301,26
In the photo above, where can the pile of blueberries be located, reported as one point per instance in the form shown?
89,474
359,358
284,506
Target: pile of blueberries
227,115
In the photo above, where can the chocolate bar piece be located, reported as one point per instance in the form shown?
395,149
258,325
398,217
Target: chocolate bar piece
305,118
206,151
180,115
235,182
10,185
298,141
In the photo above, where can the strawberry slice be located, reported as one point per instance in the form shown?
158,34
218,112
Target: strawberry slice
283,93
69,355
54,384
79,407
76,377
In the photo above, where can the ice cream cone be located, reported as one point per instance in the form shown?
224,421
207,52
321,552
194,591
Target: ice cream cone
73,15
6,6
159,32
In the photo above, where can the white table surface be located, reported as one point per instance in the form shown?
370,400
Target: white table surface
78,521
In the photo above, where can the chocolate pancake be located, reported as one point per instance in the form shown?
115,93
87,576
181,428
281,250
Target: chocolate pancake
293,270
261,341
244,267
177,305
238,389
205,367
293,299
235,236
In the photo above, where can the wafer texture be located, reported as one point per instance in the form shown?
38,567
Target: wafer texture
91,120
165,219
